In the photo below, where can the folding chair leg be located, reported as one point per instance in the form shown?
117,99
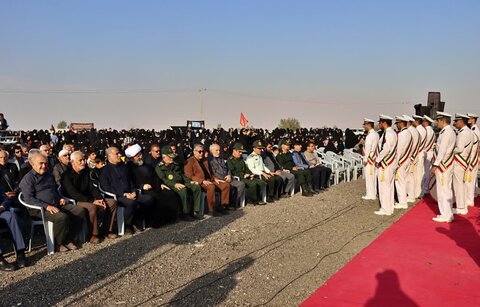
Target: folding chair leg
264,194
120,221
32,228
50,238
242,198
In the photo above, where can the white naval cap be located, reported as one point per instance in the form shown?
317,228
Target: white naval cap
132,151
368,120
400,118
385,117
443,115
472,115
63,152
415,117
428,119
408,118
459,116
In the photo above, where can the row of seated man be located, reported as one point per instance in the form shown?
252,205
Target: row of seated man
153,192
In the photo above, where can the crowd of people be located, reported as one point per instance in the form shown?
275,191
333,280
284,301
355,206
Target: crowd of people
410,162
155,177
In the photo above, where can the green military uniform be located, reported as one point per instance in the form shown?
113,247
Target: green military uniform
303,176
172,174
239,169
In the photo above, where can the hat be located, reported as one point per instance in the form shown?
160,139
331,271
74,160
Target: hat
274,147
368,120
167,151
385,117
400,119
443,115
258,144
284,142
459,116
472,115
63,152
239,146
415,117
408,118
425,117
132,151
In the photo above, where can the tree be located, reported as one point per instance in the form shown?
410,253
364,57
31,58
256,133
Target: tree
289,123
62,125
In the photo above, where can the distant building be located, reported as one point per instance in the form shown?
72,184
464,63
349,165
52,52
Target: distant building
434,104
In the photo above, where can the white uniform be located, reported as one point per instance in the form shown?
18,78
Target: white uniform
369,156
430,144
404,151
443,160
463,146
387,147
419,161
411,173
472,185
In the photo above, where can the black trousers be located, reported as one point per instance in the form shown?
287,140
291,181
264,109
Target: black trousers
320,176
274,185
67,223
166,207
135,210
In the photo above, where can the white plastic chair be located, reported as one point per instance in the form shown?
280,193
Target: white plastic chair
120,216
244,194
47,226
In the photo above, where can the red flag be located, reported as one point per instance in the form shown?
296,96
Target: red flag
243,120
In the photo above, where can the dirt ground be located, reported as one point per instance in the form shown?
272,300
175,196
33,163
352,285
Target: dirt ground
273,255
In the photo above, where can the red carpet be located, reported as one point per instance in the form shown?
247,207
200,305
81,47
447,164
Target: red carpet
416,262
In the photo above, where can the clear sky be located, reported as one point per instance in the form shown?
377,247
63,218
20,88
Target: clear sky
126,64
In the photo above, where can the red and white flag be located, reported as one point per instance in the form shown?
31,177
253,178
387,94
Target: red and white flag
243,120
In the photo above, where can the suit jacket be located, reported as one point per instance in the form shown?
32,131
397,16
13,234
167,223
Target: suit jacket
194,171
116,179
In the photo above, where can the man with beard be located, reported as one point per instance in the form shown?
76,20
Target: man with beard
166,209
154,157
115,178
77,185
270,160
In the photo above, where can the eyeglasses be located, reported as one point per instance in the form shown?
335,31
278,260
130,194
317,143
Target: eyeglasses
156,151
199,151
16,151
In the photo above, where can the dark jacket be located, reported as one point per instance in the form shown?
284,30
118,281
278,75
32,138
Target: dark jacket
115,179
79,186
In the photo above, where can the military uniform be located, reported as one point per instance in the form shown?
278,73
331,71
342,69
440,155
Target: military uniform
427,162
411,179
404,149
239,169
171,175
420,159
257,167
304,178
472,181
369,156
461,164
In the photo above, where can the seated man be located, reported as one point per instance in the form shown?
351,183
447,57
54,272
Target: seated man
170,173
61,167
270,161
166,209
154,157
314,160
76,184
48,152
239,169
38,187
9,219
255,165
198,169
303,177
114,178
222,173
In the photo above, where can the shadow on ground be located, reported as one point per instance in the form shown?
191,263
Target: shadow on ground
51,287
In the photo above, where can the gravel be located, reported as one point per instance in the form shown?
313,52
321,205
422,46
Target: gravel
273,255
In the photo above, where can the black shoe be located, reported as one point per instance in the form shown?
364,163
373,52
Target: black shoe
22,261
324,188
224,210
276,198
187,218
270,199
5,266
198,217
306,193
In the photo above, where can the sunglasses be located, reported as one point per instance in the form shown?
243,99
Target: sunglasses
200,151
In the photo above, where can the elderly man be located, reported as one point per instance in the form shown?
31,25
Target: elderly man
76,184
303,177
257,167
38,188
170,173
61,167
198,169
369,156
239,169
48,152
114,178
472,181
315,162
463,150
9,219
222,173
166,209
385,164
270,161
442,168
